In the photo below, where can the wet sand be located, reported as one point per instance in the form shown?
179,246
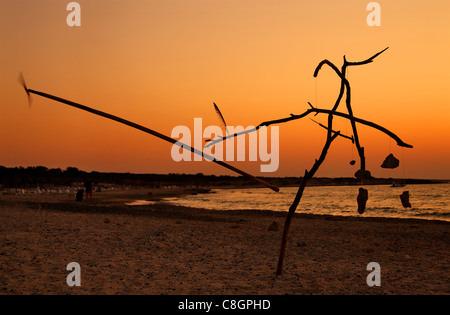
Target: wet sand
163,249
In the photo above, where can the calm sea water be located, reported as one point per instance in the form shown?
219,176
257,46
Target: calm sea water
428,201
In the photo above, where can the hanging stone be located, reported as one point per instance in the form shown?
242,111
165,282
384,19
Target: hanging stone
390,162
363,196
352,162
404,197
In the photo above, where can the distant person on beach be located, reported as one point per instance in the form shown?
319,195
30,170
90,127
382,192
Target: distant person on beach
88,189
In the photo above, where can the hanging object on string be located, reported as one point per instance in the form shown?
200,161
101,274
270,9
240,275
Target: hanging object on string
362,198
352,162
315,83
404,197
390,162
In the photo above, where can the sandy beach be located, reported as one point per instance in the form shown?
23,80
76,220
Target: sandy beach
161,249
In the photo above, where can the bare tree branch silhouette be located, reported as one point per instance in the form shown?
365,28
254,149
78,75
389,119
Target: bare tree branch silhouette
149,131
399,141
331,136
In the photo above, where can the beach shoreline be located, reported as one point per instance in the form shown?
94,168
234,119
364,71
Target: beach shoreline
165,249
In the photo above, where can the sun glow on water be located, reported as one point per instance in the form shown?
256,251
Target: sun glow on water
428,201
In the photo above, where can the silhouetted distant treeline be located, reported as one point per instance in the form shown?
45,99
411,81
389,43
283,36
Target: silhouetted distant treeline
21,177
28,177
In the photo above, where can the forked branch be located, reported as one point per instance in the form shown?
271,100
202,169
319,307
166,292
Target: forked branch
331,135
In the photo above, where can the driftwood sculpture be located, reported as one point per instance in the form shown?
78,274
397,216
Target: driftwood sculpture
361,174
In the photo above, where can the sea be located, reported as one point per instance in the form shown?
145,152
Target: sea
429,202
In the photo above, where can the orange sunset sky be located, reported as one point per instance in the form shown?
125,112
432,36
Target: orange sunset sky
163,63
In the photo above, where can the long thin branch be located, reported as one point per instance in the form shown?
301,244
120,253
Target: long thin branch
369,60
152,132
334,132
308,175
399,141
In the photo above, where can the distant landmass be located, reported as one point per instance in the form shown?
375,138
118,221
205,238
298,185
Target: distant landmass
27,177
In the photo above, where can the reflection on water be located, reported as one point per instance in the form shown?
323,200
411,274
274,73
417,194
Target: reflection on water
140,203
428,201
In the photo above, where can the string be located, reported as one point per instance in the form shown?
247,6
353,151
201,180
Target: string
404,167
315,82
347,76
